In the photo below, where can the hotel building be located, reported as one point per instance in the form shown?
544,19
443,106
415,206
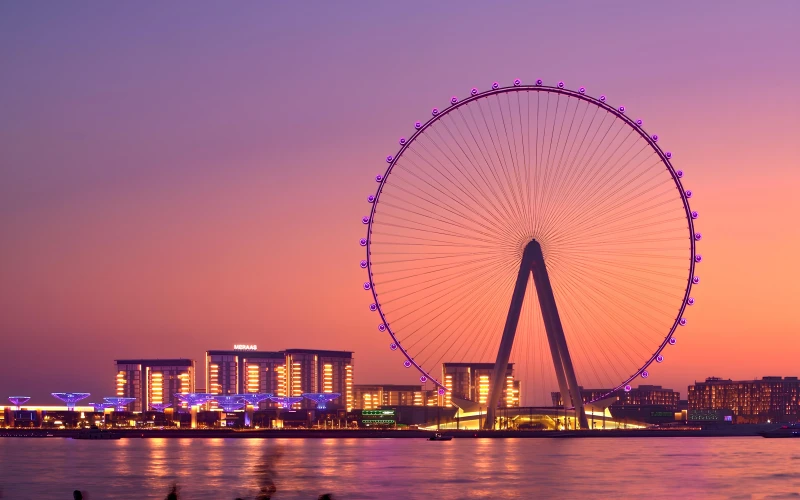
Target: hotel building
292,372
472,381
153,381
245,371
644,395
751,401
372,397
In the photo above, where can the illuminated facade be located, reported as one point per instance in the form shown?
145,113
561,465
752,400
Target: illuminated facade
289,373
751,401
372,397
644,395
245,372
318,371
154,381
472,381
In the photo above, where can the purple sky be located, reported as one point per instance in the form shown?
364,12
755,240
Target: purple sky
184,176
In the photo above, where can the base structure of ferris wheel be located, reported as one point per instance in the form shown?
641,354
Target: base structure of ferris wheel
533,263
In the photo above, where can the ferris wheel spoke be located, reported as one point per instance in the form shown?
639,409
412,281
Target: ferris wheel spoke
474,162
453,301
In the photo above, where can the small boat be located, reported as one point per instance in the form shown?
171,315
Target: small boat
96,433
786,431
439,437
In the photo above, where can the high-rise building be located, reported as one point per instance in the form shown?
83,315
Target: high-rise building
644,395
243,371
154,381
371,397
292,372
751,401
472,381
317,371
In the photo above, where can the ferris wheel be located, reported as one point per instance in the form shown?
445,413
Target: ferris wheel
542,182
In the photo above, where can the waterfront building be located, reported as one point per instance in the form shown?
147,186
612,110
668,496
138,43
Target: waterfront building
319,371
289,373
154,381
245,371
472,381
750,401
372,397
644,395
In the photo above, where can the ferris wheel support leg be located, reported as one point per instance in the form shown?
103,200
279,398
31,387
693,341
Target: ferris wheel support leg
555,336
507,341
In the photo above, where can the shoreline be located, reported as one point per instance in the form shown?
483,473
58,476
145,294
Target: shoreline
730,431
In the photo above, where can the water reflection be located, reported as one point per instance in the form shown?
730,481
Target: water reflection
399,468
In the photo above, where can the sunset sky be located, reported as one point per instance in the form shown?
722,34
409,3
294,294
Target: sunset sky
184,176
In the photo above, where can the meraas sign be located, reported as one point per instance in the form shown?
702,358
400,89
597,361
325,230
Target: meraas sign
245,347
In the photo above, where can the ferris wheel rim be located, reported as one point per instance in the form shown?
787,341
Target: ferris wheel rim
560,89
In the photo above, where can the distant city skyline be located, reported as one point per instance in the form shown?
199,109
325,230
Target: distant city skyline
166,185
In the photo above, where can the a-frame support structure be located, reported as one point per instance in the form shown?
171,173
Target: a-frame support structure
533,263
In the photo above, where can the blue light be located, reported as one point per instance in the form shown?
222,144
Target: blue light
321,398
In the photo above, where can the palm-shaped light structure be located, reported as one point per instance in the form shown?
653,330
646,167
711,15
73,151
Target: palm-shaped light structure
286,401
193,399
230,403
70,398
100,407
321,398
159,406
18,401
119,404
254,398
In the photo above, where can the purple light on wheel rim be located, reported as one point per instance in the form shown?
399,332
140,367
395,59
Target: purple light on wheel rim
402,140
441,391
365,219
698,258
679,173
393,347
417,125
602,98
655,138
407,363
561,85
682,322
668,155
672,341
622,109
639,122
453,100
539,81
367,286
378,178
474,91
696,280
495,86
690,301
373,307
698,236
689,193
371,198
435,111
582,90
423,379
627,388
389,159
659,358
645,374
382,327
363,242
517,82
363,264
695,215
